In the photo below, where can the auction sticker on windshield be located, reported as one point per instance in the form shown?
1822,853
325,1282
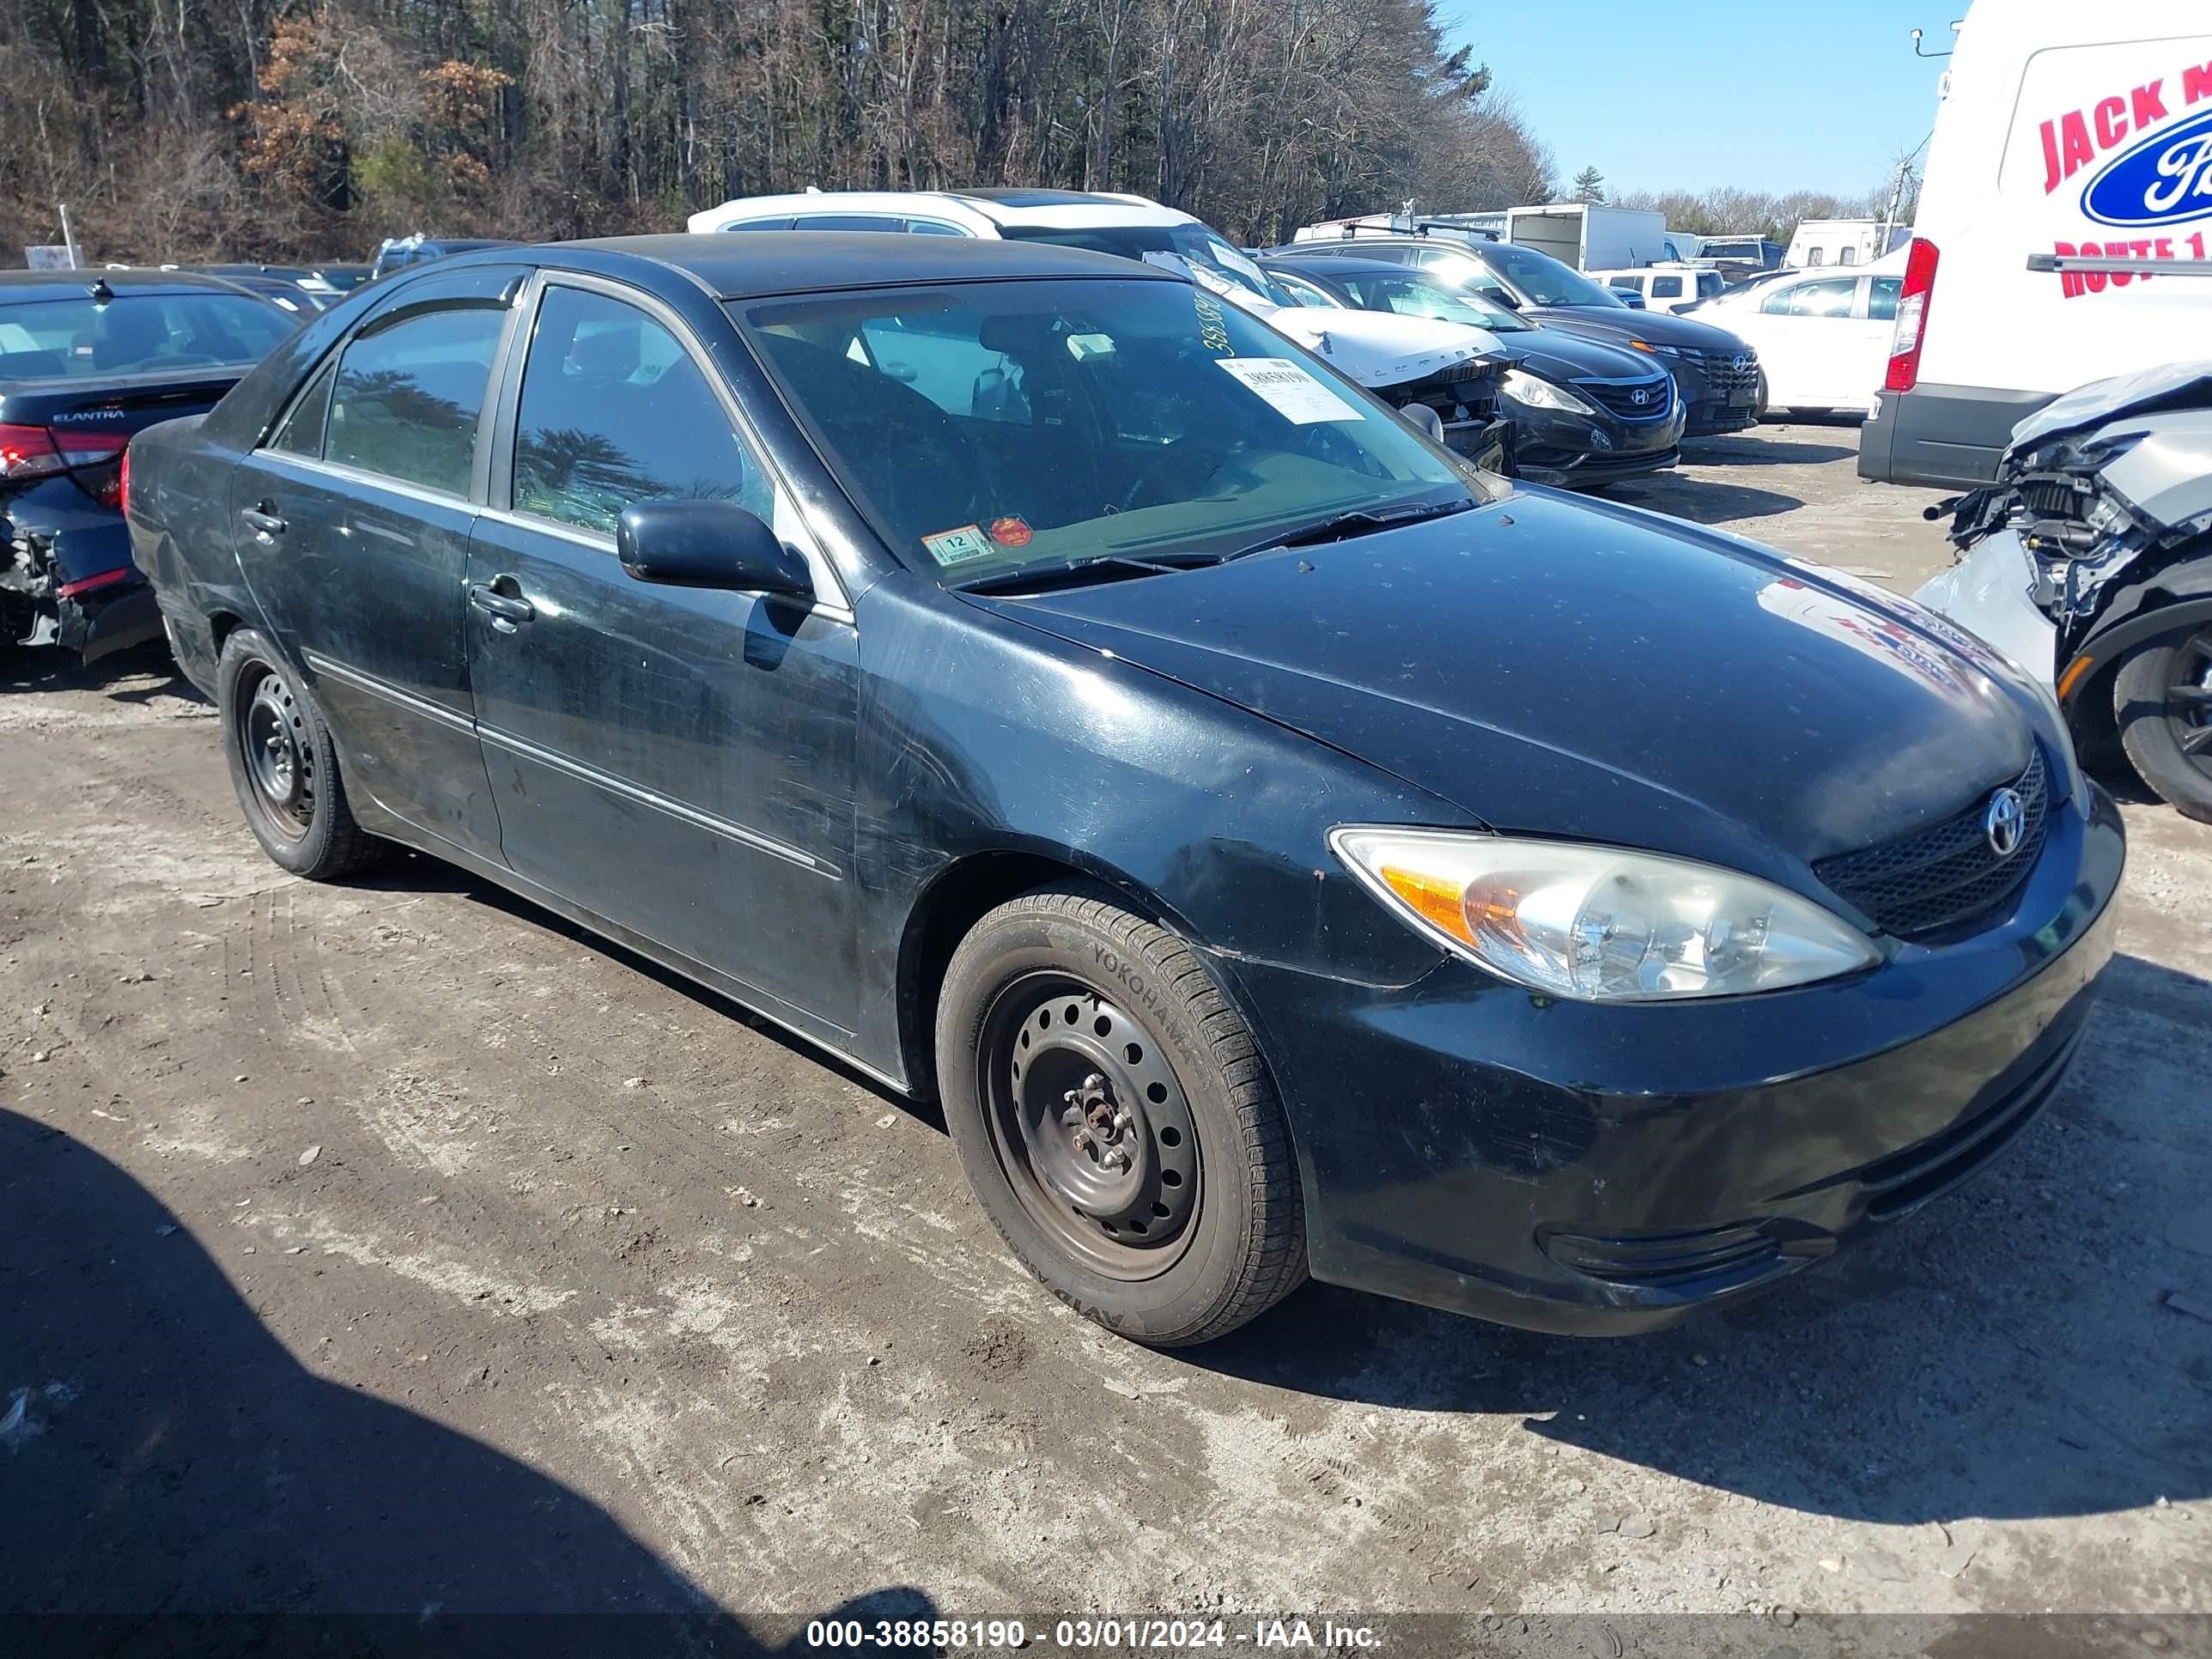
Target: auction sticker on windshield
1290,390
957,546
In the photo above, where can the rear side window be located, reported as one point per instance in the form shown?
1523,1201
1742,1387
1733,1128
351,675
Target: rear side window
1666,287
408,396
614,411
934,228
850,221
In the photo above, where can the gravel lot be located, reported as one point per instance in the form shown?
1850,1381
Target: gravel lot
394,1247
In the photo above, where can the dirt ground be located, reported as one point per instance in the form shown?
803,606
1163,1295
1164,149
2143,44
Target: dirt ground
395,1247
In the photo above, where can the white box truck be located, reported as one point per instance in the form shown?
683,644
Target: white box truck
2076,136
1590,237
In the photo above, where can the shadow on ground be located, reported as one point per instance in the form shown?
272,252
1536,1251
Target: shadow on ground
163,1458
51,669
1702,500
1743,449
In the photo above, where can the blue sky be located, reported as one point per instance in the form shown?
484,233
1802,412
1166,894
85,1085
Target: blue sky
1766,95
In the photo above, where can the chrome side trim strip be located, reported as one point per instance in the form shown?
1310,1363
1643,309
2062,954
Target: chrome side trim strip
658,803
391,693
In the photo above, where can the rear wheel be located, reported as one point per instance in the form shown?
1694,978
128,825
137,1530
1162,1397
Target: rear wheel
1115,1119
2162,701
284,766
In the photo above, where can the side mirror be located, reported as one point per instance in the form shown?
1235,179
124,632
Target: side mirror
1500,296
706,544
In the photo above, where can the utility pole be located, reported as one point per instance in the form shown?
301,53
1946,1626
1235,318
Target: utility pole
1896,202
69,238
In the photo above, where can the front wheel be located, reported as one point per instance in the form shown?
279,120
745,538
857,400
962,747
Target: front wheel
2162,701
1115,1119
284,766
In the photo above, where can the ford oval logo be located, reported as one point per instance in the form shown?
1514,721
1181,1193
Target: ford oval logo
2165,180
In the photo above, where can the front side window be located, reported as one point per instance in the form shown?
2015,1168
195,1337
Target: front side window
1544,279
1666,287
987,427
409,393
1881,299
1710,283
614,411
1831,296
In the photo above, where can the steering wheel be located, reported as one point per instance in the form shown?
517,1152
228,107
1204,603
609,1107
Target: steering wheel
931,455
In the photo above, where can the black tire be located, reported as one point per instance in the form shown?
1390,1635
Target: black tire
1763,412
2162,703
284,766
1201,1227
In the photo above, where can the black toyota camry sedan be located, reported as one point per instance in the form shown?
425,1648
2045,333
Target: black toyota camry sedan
1280,847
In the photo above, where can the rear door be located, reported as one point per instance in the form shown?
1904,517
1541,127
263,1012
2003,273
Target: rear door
677,760
352,528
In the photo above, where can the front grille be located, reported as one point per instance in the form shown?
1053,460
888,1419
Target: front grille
1620,398
1458,392
1727,373
1941,877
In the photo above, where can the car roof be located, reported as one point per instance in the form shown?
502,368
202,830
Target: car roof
20,285
762,263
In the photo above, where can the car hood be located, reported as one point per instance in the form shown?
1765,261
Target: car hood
1618,327
2150,391
1557,354
1555,667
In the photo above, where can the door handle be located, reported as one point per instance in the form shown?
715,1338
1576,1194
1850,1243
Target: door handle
505,609
262,521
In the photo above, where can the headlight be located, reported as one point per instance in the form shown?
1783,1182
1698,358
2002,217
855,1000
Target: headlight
1599,924
1655,350
1526,388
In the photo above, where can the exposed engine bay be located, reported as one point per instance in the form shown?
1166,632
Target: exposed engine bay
2113,481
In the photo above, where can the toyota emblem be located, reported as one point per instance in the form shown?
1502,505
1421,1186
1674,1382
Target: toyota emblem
2005,823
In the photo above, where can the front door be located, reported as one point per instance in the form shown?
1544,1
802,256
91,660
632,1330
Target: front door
352,528
677,760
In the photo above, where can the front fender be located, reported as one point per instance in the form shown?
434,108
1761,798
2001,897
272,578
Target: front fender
2175,600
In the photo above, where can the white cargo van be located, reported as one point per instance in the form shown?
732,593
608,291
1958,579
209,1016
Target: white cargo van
2063,130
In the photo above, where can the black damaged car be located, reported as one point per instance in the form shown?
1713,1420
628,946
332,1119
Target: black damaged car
87,358
1281,847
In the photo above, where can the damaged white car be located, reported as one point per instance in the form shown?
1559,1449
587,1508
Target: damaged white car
2089,562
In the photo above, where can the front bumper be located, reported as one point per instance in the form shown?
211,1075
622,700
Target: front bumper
1597,1170
1582,451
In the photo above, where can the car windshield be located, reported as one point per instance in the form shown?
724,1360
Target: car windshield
1543,280
1192,242
987,428
1411,296
136,334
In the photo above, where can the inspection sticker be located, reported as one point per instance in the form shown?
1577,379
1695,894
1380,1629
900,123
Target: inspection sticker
1290,390
957,546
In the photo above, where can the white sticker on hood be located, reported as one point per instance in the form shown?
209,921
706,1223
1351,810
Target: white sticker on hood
1290,390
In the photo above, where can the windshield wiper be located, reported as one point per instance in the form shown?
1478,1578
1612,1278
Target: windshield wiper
1342,526
1104,567
1113,566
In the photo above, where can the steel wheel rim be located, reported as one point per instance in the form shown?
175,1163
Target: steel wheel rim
1091,1125
272,736
2188,700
